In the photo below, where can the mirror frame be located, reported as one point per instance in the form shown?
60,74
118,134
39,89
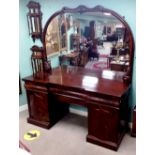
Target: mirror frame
81,9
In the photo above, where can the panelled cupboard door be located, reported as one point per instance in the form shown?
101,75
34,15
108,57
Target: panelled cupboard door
38,105
103,122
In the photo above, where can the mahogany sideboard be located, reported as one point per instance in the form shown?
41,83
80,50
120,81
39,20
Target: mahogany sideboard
103,92
133,131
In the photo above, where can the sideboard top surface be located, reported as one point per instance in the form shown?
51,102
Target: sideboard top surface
103,82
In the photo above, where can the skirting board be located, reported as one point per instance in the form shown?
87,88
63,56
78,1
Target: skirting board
72,110
130,125
78,112
23,107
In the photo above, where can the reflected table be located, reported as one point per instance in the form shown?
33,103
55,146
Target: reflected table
72,57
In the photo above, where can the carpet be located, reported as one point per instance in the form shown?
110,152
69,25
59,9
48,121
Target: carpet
68,137
104,55
101,64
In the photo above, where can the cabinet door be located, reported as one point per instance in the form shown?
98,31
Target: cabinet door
103,122
38,105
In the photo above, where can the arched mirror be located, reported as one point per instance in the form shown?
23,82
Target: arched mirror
94,38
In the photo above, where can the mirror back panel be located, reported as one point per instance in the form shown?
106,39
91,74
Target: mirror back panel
98,36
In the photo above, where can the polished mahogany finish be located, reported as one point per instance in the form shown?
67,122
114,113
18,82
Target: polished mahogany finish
133,132
103,92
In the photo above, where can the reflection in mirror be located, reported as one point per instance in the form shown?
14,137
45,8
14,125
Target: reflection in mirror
94,40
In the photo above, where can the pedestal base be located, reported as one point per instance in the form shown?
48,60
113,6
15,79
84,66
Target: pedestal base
111,145
45,125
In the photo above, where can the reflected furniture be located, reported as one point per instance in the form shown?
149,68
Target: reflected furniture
72,57
118,63
103,93
74,42
83,57
119,59
119,66
93,53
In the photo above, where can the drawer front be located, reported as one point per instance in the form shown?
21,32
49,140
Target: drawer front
68,96
69,99
35,87
84,97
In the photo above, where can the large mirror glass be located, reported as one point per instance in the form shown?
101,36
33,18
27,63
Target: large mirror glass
90,39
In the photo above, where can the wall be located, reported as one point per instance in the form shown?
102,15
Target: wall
125,8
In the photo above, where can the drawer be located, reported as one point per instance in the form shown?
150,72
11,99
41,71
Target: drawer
69,93
35,87
68,99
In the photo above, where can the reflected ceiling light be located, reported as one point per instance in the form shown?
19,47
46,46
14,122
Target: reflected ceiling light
108,74
107,14
90,81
